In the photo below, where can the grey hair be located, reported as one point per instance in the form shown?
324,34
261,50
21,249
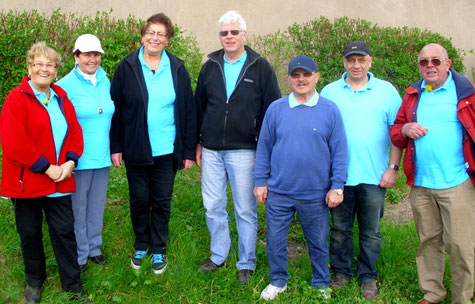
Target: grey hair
232,17
444,51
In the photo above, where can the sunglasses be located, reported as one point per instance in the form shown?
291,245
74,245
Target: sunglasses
233,32
435,62
297,75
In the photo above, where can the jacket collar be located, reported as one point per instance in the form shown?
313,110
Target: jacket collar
26,88
218,55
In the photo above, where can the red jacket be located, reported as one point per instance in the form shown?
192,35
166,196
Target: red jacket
28,146
465,113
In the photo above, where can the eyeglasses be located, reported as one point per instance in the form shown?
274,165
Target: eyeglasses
41,65
297,75
158,34
435,61
233,32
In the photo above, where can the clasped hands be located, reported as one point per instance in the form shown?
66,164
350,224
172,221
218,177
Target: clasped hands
60,173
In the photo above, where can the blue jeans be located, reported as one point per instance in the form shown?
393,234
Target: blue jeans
237,166
313,216
367,202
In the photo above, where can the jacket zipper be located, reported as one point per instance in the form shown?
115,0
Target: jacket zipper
227,100
21,179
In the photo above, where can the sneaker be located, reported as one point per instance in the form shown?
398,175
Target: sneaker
244,275
370,290
159,263
32,295
98,259
271,291
136,260
326,293
338,282
209,266
84,269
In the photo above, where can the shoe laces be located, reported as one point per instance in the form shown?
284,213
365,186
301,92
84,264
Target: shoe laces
139,254
157,258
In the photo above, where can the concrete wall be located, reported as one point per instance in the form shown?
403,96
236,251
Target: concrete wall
450,18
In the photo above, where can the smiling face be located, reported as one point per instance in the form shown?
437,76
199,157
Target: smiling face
357,67
88,62
233,44
155,39
42,72
303,83
432,74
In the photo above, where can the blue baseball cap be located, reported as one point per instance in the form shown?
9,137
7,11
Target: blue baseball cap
302,62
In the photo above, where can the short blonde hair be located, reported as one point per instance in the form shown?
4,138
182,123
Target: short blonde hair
41,48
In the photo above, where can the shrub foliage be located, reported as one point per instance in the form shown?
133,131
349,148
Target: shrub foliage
394,50
119,37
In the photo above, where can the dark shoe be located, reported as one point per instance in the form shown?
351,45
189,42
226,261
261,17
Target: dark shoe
84,269
79,297
32,294
244,275
209,266
159,263
136,260
98,259
424,301
338,282
370,290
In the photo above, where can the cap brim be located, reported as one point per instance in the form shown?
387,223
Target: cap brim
100,50
302,67
357,53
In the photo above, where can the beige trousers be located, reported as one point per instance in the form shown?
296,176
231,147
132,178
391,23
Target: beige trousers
445,222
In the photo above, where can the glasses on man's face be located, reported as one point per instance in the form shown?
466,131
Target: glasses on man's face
233,32
158,34
435,62
41,65
297,75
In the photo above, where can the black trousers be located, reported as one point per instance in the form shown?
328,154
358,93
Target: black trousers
60,219
150,191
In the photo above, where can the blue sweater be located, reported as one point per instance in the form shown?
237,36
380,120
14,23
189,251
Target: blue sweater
302,151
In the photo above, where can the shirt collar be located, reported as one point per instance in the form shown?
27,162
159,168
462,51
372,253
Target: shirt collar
164,61
311,103
241,59
368,85
445,86
41,97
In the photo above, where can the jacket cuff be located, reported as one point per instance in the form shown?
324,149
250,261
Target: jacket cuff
74,157
40,166
189,155
261,182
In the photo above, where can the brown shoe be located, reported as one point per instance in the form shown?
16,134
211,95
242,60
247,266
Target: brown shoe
244,275
424,301
209,266
338,282
370,290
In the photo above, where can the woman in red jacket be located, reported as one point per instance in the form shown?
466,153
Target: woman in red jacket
42,142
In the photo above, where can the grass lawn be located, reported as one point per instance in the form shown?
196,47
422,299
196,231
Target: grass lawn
188,247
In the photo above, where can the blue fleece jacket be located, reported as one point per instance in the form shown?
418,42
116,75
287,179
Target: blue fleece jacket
302,151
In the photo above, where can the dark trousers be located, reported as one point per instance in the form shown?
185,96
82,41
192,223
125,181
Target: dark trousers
60,219
150,190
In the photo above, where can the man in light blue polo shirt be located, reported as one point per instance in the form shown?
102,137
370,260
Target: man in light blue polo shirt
368,106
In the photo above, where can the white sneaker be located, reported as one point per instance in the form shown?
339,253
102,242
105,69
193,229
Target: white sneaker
271,291
326,293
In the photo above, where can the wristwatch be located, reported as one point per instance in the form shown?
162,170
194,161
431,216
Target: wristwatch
338,191
395,167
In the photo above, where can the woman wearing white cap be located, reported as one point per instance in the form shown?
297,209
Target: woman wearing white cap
88,87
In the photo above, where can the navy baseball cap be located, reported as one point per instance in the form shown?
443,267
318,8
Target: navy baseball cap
302,62
356,47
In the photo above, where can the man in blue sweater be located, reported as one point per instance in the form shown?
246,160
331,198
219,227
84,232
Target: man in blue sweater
302,153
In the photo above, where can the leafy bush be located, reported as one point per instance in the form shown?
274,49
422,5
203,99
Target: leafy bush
394,50
119,37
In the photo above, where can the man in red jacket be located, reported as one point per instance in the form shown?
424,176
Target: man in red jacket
436,125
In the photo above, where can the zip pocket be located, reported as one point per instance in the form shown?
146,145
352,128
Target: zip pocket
21,179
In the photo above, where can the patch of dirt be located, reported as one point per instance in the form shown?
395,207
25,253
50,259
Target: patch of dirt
398,213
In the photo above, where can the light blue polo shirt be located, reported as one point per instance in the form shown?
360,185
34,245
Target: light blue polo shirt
311,103
232,71
439,156
94,109
59,125
367,115
161,105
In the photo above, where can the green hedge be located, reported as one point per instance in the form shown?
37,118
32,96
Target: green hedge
119,37
394,50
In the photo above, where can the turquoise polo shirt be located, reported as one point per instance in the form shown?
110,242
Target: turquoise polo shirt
59,125
94,109
161,105
232,71
439,157
367,116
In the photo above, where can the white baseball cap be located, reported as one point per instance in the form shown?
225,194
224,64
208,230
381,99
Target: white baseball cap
88,43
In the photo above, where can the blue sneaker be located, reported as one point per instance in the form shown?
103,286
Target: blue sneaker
159,263
136,260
